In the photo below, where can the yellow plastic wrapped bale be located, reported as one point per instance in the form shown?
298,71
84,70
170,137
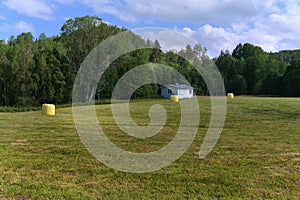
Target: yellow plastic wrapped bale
230,95
174,98
48,109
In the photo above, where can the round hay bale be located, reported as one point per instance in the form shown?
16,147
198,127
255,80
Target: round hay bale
174,98
230,95
48,109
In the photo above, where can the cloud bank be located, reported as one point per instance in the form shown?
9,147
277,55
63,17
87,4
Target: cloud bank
216,24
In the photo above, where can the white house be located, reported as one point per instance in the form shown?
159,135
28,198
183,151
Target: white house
182,91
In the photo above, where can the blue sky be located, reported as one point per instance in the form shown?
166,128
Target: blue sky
215,24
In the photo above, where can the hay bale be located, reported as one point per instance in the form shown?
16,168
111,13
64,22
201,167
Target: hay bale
174,98
230,95
48,109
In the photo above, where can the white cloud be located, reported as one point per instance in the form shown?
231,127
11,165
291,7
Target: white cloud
275,28
271,24
23,27
216,39
17,28
65,2
116,8
213,38
32,8
213,11
168,39
216,24
197,11
240,27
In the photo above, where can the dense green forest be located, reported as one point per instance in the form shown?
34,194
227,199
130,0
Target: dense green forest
249,70
42,70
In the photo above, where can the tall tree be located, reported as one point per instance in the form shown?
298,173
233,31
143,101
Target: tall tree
291,79
82,34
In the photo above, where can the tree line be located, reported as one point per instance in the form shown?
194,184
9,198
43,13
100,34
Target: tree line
249,70
42,70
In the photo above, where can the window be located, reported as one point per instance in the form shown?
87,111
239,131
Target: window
191,91
169,91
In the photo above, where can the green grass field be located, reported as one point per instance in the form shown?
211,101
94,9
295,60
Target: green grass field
256,157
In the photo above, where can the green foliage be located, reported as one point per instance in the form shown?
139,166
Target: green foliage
250,70
292,79
42,70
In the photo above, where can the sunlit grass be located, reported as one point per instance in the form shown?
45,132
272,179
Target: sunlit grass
257,156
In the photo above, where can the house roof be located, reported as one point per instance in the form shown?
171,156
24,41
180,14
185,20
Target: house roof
179,86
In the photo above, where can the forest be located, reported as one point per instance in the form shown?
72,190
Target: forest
41,70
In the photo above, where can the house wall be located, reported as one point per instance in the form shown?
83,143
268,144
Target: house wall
165,93
181,93
185,93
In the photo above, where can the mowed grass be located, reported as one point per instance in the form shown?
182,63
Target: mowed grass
256,157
